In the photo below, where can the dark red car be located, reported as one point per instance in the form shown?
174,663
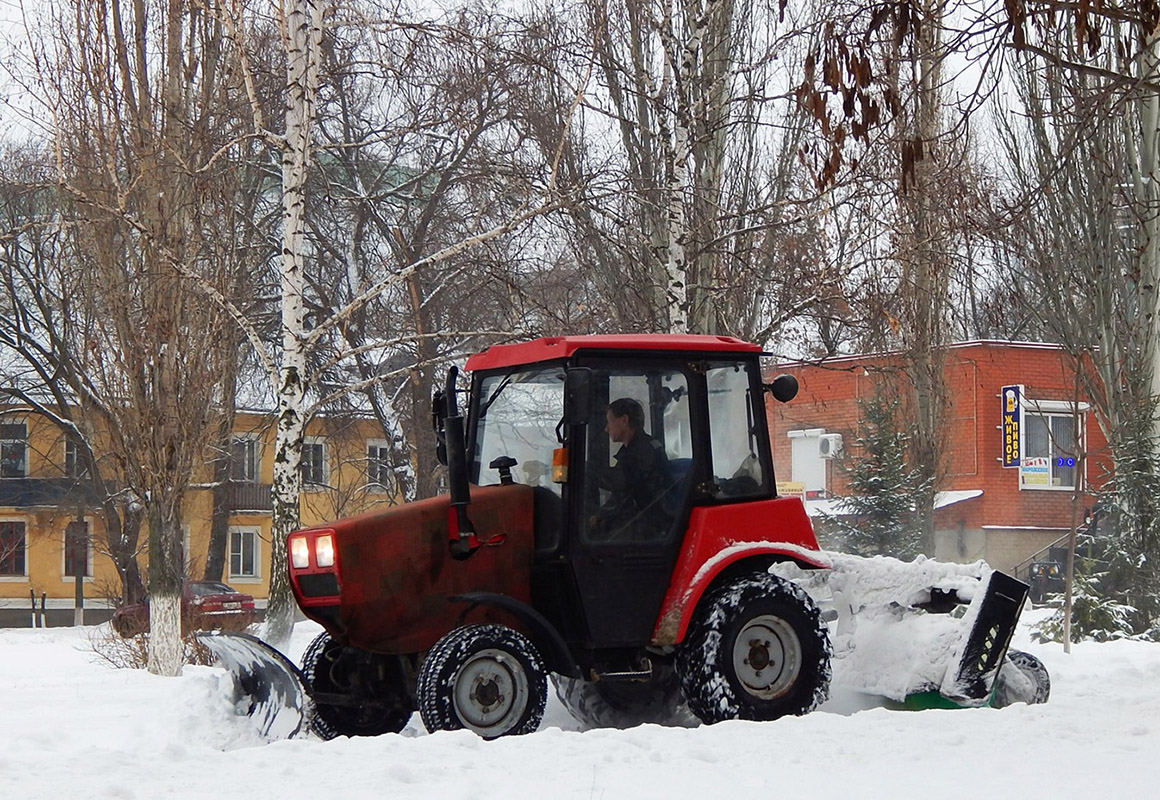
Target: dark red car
205,605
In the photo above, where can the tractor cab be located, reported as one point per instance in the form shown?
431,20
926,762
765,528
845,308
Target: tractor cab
619,444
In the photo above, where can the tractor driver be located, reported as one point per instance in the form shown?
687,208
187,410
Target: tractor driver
637,482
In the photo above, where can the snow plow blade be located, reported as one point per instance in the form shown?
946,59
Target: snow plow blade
921,634
986,645
268,688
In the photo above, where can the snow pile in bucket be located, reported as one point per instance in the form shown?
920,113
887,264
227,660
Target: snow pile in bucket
882,644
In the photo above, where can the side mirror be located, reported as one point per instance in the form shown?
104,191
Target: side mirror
438,415
784,388
577,396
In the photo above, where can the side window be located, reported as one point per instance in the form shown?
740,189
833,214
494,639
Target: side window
313,464
13,549
1049,450
244,459
13,450
379,475
244,553
77,560
737,466
639,455
72,460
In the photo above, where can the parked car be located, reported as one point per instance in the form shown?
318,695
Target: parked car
205,605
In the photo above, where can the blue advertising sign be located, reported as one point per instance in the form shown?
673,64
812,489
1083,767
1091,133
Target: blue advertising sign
1011,397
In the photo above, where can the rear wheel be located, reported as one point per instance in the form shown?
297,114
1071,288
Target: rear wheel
371,689
757,649
1023,678
487,678
625,704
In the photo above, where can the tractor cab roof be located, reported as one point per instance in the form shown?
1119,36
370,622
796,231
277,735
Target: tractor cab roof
556,347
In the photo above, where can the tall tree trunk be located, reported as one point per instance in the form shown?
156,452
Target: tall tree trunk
302,37
925,267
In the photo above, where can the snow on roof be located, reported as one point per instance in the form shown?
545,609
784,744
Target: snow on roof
856,357
834,506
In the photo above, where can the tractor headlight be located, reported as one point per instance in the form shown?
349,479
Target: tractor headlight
299,552
324,551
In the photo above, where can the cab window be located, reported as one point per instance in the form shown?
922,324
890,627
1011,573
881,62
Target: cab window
518,418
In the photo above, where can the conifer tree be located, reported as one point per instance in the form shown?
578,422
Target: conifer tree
883,487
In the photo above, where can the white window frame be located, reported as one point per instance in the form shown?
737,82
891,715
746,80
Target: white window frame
375,483
255,441
234,577
316,486
5,578
72,470
1053,408
88,576
23,441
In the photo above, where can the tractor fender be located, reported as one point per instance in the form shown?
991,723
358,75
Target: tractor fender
547,639
689,585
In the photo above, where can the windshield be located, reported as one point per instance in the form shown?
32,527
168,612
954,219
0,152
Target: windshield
518,416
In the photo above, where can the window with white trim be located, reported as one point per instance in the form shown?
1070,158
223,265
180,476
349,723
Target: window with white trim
74,460
244,460
313,464
13,450
245,552
379,473
78,550
13,549
1050,450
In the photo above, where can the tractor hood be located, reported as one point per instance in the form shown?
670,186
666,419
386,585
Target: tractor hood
392,580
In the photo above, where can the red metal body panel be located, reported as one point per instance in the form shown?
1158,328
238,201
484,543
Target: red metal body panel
550,348
722,535
395,570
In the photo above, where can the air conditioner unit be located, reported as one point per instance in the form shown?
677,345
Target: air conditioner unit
829,445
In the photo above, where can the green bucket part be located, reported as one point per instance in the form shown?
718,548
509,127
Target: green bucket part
924,701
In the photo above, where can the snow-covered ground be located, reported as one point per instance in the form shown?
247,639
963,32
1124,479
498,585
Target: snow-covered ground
71,727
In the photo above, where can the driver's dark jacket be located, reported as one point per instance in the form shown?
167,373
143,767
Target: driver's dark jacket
637,482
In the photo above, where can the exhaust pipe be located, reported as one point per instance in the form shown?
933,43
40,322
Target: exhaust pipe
461,532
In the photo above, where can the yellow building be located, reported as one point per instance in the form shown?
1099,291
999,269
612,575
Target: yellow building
51,525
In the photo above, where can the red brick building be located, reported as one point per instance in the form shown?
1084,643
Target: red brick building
1003,514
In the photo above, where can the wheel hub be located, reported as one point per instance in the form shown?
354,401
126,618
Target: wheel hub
487,693
767,657
491,692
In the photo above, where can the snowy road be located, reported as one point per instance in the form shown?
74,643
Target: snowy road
72,727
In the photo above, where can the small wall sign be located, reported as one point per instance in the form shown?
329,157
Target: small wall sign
1011,398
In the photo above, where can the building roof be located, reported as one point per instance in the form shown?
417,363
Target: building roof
556,347
828,361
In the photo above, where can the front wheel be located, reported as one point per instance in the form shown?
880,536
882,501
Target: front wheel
487,678
356,692
757,649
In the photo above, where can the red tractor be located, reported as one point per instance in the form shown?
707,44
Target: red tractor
611,524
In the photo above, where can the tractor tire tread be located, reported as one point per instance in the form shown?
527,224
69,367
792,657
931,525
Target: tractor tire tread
704,660
441,667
